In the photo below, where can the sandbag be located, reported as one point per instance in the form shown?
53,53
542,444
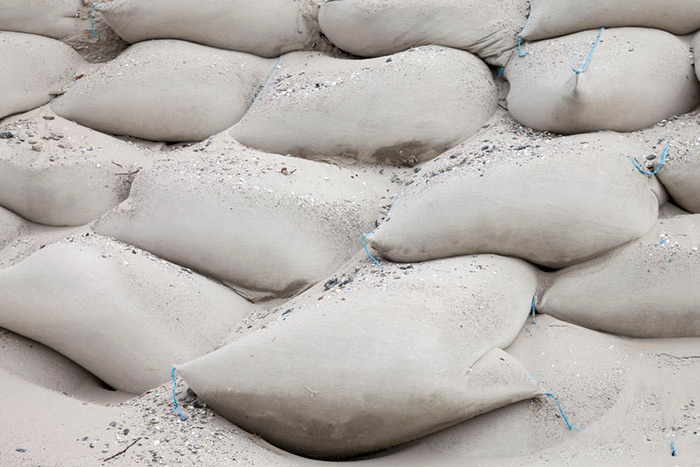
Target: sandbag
635,77
55,172
647,288
375,110
32,68
553,202
266,225
53,18
382,359
11,226
696,50
680,172
367,28
120,313
554,18
166,91
267,28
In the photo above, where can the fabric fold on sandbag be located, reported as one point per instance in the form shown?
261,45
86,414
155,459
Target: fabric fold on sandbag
367,28
34,69
553,202
55,172
622,79
266,225
647,288
120,313
373,110
267,28
166,90
381,358
555,18
52,18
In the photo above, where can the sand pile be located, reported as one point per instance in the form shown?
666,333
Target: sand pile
389,260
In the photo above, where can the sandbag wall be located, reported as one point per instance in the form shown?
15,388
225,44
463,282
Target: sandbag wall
342,194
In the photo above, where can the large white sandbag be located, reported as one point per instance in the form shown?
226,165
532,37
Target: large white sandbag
648,288
368,28
120,313
378,110
553,202
633,78
32,68
696,50
676,145
267,28
382,358
11,226
264,224
166,91
53,18
554,18
55,172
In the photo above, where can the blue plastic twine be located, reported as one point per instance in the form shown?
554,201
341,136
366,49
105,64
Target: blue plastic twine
561,411
177,407
588,60
257,96
533,310
368,253
661,164
92,19
520,36
673,448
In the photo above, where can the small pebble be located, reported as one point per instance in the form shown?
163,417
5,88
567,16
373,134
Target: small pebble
6,135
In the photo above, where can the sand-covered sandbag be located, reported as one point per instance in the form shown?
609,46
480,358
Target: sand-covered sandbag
631,79
53,18
267,28
554,18
378,110
378,359
166,91
696,50
122,314
368,28
553,202
673,154
11,226
264,224
648,288
55,172
32,68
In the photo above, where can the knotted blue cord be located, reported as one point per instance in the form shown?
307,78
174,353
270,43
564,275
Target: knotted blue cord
590,55
533,310
177,407
92,19
520,36
661,163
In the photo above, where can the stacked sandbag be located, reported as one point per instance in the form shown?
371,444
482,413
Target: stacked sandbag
648,288
123,315
368,28
375,110
11,227
52,18
267,28
263,224
553,202
629,79
380,358
34,68
696,49
166,91
554,18
673,153
55,172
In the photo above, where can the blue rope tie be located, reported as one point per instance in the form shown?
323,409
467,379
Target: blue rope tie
92,19
177,407
520,36
561,411
533,310
257,96
673,448
368,253
501,71
661,164
588,60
